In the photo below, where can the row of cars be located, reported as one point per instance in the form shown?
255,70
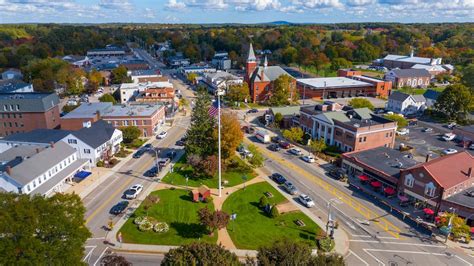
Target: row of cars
279,144
292,190
129,194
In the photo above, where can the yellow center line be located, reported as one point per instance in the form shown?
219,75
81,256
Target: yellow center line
344,197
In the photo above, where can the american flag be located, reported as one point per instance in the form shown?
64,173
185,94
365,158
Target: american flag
213,109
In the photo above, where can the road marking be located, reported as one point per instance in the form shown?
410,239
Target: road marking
344,197
101,254
463,260
373,257
357,256
112,197
369,236
417,252
87,257
96,238
396,243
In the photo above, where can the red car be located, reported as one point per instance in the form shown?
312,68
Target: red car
285,145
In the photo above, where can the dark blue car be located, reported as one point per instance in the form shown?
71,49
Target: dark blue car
278,178
119,207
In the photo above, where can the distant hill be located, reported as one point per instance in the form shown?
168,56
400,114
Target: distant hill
280,22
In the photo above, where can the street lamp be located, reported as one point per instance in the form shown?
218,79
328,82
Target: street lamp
219,93
330,202
450,223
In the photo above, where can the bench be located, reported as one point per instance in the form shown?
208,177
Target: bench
268,194
300,223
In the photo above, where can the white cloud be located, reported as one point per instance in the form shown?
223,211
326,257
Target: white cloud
173,4
360,2
313,4
124,5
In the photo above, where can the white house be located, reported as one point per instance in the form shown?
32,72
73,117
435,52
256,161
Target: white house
128,91
38,169
405,104
221,80
95,142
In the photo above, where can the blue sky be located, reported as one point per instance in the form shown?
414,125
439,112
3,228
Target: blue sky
236,11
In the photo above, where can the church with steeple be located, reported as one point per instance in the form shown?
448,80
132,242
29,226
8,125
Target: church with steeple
260,78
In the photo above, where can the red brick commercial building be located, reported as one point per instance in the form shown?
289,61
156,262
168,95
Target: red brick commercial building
416,78
156,95
382,87
260,78
24,112
147,117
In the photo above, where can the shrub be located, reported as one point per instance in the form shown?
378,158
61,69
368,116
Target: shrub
208,199
161,227
263,202
100,164
139,220
145,226
274,213
326,244
113,161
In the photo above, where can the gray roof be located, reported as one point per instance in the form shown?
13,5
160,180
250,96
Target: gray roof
251,55
99,133
132,110
384,159
418,98
14,155
45,136
398,96
269,73
411,72
332,82
363,113
41,162
463,198
29,101
88,110
12,85
410,59
286,110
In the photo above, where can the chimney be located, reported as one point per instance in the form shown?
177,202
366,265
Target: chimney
8,169
37,150
51,144
97,115
469,172
428,156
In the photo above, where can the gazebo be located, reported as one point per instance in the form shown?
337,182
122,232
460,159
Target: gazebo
201,193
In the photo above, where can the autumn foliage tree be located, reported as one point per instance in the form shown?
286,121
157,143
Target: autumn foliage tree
213,220
231,135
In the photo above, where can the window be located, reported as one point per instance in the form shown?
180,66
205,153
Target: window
430,189
72,141
386,135
125,122
20,115
87,151
34,183
14,116
18,107
360,139
409,180
5,107
11,107
365,139
420,81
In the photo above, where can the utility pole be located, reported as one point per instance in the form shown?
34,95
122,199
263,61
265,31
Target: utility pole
219,139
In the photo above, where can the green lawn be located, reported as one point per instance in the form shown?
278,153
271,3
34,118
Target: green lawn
253,228
232,174
418,91
175,208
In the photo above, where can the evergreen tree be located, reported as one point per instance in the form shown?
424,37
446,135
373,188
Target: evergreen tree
201,138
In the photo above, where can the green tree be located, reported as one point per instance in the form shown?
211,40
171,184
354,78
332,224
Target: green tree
290,252
107,98
339,63
401,121
274,213
43,230
468,76
294,134
455,102
278,119
201,138
257,158
231,135
130,133
361,103
192,77
263,201
119,75
114,260
317,146
200,253
282,89
238,93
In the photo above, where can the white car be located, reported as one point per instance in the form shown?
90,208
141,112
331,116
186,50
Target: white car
450,151
452,125
403,132
427,129
295,151
448,136
133,191
162,135
471,147
306,200
308,159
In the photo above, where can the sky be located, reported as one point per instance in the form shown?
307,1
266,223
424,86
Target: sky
235,11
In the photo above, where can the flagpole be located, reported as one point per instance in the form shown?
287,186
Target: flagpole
219,140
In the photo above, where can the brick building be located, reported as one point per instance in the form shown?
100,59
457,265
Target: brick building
147,117
156,95
416,78
260,78
28,111
382,88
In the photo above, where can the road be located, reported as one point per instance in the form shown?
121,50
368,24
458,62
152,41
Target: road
385,240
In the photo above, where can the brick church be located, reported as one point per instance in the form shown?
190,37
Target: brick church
260,78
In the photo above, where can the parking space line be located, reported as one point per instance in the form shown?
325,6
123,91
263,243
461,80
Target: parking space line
463,260
383,223
373,257
87,257
358,257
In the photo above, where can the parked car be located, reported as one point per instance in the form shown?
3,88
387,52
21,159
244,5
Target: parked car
276,139
308,159
295,151
449,151
119,207
403,132
427,129
290,188
471,147
162,135
274,147
336,173
285,145
306,200
451,125
138,153
152,172
164,162
171,154
278,178
133,191
148,146
180,143
252,111
448,136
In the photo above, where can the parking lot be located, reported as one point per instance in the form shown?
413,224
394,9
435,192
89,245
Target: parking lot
427,142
